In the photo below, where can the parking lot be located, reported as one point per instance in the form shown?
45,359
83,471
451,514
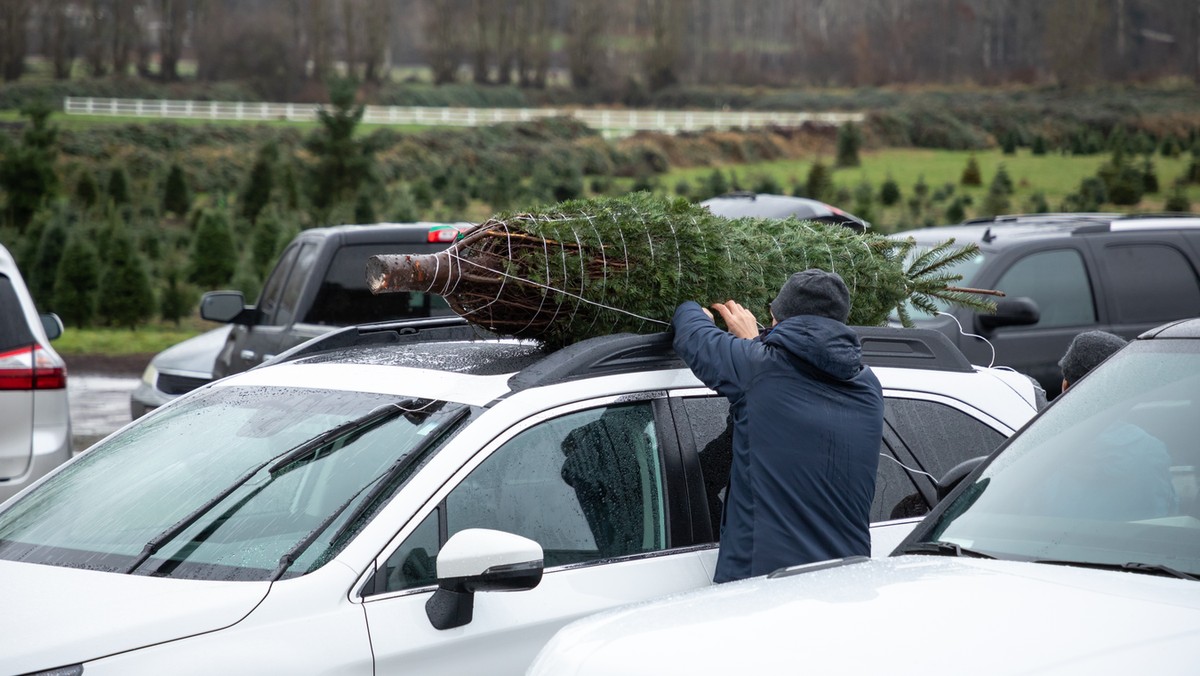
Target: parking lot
99,403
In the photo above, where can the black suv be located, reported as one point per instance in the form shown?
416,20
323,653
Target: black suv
1063,274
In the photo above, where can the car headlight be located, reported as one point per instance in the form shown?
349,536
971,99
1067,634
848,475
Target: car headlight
150,375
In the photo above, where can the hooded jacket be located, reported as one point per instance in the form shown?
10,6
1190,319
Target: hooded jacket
807,423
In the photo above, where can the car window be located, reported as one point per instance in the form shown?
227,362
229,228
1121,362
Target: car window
295,284
1057,281
1139,273
230,484
268,300
939,436
587,486
896,496
344,298
14,331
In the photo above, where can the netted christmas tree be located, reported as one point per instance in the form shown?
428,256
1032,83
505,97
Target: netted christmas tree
591,267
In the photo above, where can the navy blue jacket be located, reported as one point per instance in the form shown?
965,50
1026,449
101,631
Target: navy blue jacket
807,423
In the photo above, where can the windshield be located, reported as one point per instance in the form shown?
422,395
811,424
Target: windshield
1106,476
968,268
233,483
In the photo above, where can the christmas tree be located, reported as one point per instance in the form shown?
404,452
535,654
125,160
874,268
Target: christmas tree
591,267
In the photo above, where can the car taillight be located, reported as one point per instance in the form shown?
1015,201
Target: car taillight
443,234
31,368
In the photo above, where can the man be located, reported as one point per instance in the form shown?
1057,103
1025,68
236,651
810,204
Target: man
1085,353
807,422
1125,473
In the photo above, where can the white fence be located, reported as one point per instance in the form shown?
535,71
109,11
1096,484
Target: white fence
608,120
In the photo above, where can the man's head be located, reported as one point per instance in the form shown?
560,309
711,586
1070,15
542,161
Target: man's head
1086,351
812,292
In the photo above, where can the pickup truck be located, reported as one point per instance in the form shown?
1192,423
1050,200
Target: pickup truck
317,285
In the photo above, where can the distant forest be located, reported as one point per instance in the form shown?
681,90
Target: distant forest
285,49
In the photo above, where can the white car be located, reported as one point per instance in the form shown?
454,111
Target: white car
1075,550
35,423
355,506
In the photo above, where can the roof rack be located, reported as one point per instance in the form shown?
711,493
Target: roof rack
882,346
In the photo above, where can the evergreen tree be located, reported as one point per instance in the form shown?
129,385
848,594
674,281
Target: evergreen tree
1178,201
257,191
402,208
214,258
50,250
1037,204
177,298
76,284
921,188
956,212
27,168
971,174
86,190
670,251
344,164
118,185
1008,143
889,192
683,188
996,201
819,183
176,196
1149,177
767,184
364,208
422,193
265,244
1001,182
125,297
1039,145
849,141
716,184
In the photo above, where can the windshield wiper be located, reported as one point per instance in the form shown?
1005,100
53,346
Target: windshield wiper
1132,567
380,484
276,463
943,549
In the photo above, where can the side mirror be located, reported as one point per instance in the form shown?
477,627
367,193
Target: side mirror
52,325
955,475
1021,311
226,306
479,559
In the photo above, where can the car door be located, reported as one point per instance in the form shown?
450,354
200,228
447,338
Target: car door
924,436
250,345
1146,282
1059,280
592,483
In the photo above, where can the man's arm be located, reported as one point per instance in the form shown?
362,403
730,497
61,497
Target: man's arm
719,359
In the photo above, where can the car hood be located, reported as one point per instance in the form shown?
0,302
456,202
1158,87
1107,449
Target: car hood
194,356
59,616
908,614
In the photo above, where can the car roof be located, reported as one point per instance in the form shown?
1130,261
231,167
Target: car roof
417,231
476,367
999,231
764,205
1183,328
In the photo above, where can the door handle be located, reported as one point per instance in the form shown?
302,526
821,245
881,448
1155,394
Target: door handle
247,355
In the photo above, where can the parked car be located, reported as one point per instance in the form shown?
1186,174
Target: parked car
317,285
35,422
1074,550
764,205
352,505
1064,274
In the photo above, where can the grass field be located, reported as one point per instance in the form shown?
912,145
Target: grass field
1055,176
147,339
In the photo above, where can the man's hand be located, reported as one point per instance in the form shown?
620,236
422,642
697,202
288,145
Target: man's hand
739,320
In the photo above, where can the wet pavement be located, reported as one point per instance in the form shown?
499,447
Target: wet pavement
99,406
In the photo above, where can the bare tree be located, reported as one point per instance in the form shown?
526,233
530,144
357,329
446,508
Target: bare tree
442,31
57,37
662,56
377,22
172,17
124,34
319,30
14,19
533,50
586,39
1073,45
